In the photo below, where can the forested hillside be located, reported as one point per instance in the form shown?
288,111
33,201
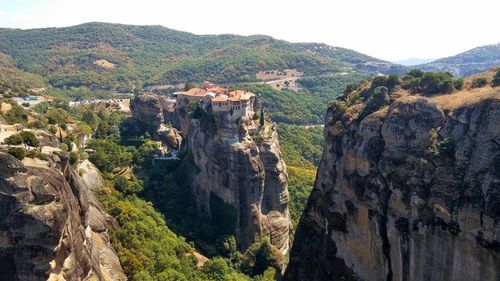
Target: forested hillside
115,56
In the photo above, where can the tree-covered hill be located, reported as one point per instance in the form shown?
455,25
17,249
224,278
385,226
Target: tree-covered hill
467,63
113,56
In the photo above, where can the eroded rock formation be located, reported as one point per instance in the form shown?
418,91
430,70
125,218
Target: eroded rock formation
152,109
245,172
51,226
411,192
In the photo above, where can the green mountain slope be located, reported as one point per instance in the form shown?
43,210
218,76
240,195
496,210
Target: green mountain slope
467,63
114,56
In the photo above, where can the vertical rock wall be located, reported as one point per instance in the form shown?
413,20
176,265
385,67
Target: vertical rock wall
51,226
248,175
411,192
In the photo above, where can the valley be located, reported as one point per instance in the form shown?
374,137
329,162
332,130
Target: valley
145,153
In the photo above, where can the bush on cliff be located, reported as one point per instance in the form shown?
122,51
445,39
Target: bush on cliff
207,121
27,138
496,79
479,82
379,98
430,83
17,152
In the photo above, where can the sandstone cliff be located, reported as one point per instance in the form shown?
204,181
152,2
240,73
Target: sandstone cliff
242,171
410,192
152,110
51,226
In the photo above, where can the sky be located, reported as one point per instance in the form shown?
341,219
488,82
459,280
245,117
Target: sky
387,29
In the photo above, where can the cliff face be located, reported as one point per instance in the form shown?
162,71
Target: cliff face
248,177
411,192
51,226
152,109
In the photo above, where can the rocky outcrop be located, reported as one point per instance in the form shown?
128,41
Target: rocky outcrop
152,109
410,192
245,174
170,136
51,226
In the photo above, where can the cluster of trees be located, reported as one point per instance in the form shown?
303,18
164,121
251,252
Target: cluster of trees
431,83
287,106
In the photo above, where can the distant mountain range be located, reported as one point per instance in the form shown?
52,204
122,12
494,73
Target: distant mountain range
120,57
110,56
467,63
413,61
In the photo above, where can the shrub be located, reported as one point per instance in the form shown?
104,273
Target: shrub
34,153
445,147
412,84
24,137
339,108
496,79
379,81
73,158
17,152
417,73
84,156
435,83
63,147
375,102
38,124
53,129
479,82
459,83
16,139
29,138
392,81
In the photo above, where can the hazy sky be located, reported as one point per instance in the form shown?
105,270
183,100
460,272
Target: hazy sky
387,29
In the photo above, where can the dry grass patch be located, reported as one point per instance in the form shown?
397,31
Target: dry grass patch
466,97
104,64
